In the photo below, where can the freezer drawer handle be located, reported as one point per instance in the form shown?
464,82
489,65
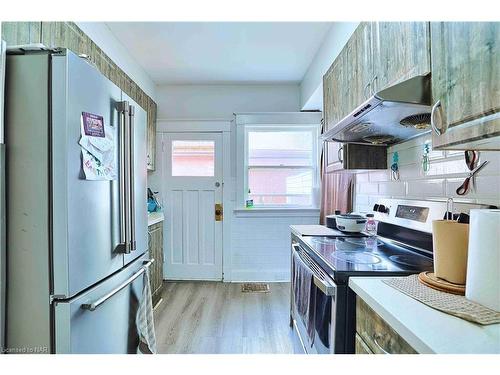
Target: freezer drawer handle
94,305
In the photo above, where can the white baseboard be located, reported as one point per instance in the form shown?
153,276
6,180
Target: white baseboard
259,276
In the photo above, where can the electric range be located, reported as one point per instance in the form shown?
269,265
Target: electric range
342,256
403,246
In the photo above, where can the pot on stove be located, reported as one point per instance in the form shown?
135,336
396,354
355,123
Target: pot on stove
331,221
350,223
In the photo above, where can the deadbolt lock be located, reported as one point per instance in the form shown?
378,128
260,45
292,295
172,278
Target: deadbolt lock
218,212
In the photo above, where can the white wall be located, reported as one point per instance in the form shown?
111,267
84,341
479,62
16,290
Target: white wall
260,247
311,88
221,101
446,174
105,39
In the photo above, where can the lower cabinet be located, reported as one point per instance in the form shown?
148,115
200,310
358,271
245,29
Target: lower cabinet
375,336
360,346
155,233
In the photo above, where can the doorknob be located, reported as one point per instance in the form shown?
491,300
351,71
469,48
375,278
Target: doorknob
218,212
217,184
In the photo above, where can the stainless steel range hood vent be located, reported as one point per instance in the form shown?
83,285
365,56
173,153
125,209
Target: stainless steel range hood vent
393,115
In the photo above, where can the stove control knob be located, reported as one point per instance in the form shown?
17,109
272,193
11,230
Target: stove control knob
375,208
381,208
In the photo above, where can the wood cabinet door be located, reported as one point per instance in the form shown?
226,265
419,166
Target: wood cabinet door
156,252
360,347
401,50
334,93
346,83
465,78
334,160
151,136
359,65
376,333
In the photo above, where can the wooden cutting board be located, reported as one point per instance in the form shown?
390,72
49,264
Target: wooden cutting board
432,281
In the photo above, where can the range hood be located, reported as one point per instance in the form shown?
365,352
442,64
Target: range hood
393,115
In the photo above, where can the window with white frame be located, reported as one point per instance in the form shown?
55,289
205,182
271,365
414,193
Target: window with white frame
281,165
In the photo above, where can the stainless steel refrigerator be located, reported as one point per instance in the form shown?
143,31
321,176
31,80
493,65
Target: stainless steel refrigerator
76,248
2,199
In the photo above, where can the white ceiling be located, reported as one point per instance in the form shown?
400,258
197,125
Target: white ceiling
222,52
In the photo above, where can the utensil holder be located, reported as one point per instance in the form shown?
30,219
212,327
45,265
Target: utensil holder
450,241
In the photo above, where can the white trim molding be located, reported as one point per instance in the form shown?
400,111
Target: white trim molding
276,212
193,126
276,118
285,121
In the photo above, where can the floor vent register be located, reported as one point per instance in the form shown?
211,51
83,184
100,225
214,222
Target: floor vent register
255,288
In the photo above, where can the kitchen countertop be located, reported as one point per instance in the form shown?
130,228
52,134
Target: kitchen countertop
312,230
427,330
155,217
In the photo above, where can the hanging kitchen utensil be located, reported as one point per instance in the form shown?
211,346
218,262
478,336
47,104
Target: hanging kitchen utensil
471,159
465,187
449,210
395,166
425,158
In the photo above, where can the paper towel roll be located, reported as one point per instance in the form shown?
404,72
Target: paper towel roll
483,264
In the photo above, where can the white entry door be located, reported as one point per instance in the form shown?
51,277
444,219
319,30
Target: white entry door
193,187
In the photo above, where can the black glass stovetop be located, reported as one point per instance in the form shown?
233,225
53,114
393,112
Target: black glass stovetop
350,256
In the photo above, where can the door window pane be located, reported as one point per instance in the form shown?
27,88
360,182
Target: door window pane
193,158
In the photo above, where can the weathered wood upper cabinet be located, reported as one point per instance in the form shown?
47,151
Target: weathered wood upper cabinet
359,65
345,84
335,98
401,50
466,84
378,55
151,136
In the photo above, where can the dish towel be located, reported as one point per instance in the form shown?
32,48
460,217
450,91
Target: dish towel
304,293
145,321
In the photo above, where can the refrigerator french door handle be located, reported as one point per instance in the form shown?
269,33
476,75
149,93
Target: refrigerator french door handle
131,114
124,245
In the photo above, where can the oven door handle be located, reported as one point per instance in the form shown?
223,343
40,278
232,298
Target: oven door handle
324,283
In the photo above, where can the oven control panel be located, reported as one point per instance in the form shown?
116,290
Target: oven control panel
414,213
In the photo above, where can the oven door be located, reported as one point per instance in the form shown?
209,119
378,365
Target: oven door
325,310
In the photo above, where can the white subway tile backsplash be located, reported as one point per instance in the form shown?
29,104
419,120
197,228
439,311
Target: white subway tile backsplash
447,172
493,166
411,172
377,176
362,177
362,199
487,187
392,188
447,166
426,188
367,188
412,153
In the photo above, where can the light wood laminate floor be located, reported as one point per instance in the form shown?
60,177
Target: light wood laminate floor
215,317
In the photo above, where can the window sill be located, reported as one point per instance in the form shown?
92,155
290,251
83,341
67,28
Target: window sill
276,212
